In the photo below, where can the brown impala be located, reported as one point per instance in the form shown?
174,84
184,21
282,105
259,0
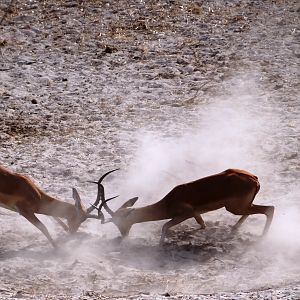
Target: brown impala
233,189
20,194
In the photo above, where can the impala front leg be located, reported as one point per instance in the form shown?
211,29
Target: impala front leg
168,225
200,221
38,224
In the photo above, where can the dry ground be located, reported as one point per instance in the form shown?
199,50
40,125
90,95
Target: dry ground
169,91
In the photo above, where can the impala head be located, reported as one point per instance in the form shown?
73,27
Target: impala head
120,217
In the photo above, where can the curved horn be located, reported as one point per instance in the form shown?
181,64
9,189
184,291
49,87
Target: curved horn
105,201
103,176
79,208
101,195
100,214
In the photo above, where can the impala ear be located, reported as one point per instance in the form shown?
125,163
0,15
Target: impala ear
78,203
129,202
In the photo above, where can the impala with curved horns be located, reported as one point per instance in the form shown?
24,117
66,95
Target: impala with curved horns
20,194
233,189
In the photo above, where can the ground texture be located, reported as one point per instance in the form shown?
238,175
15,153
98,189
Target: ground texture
168,91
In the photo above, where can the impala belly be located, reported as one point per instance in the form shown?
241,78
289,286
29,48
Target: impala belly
210,206
8,207
9,202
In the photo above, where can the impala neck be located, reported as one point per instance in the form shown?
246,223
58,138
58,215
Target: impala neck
56,208
152,212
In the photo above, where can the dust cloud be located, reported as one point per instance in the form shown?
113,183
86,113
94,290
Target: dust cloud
228,132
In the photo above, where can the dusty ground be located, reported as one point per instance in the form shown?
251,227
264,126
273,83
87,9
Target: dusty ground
168,91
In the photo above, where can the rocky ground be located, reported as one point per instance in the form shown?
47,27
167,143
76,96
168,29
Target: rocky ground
168,91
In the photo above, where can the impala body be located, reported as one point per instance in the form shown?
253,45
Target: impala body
20,194
233,189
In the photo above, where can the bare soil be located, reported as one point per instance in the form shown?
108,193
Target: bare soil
168,91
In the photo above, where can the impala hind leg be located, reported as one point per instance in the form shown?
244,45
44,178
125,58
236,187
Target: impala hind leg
239,223
168,225
38,224
268,211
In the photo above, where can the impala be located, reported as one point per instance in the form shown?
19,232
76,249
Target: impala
20,194
233,189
